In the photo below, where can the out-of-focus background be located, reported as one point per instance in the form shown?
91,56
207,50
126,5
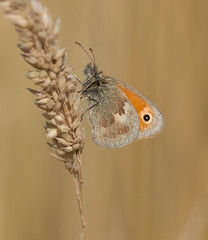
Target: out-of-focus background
152,189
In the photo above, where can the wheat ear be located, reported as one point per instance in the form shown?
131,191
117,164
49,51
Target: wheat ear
57,87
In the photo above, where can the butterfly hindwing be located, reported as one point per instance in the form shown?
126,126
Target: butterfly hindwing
114,121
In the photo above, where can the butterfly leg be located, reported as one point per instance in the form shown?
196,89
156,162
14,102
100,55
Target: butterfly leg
92,99
78,80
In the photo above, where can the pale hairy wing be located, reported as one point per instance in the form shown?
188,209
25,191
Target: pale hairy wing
114,121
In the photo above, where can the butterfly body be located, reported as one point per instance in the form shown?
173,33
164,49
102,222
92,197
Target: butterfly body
118,113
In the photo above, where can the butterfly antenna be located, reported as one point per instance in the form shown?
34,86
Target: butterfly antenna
92,59
93,55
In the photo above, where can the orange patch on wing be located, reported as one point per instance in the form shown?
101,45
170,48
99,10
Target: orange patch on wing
139,105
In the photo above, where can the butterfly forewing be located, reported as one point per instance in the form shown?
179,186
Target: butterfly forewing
151,120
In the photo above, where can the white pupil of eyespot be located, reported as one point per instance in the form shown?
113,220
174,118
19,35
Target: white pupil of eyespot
146,117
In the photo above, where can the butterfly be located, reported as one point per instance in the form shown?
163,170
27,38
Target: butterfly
119,114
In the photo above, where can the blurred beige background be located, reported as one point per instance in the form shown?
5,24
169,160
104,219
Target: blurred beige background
152,189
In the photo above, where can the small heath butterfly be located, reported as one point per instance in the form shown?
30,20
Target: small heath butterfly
119,114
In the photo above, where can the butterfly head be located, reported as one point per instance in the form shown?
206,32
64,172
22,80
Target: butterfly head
93,76
90,71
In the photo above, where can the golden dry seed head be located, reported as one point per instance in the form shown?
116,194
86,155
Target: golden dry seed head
69,120
51,133
59,118
46,66
68,70
52,113
76,146
33,74
21,23
42,35
53,83
68,149
4,4
43,74
40,95
71,167
78,132
38,45
56,67
77,102
64,128
45,115
70,76
57,107
56,29
60,152
24,34
52,75
69,89
48,58
46,82
61,82
14,17
61,53
76,123
57,95
37,80
50,24
36,6
40,63
31,60
71,99
61,141
57,157
62,97
75,113
53,121
25,47
45,18
78,139
49,115
70,85
67,137
43,106
33,52
42,101
50,104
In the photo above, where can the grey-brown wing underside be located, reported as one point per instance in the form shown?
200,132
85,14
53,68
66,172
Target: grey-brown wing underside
114,121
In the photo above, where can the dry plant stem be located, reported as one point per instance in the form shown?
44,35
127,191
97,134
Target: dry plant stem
78,182
56,94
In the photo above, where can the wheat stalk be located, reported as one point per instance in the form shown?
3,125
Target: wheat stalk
57,87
